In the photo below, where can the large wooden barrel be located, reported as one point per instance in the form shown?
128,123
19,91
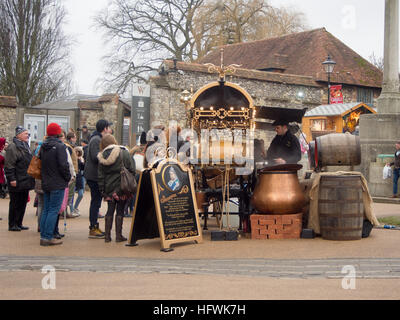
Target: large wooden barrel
311,155
338,149
340,207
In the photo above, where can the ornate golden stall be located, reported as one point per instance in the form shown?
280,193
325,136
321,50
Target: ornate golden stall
222,121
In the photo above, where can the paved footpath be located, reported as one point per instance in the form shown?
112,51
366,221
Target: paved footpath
281,268
244,269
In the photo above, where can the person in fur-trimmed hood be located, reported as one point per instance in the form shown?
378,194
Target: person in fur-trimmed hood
109,173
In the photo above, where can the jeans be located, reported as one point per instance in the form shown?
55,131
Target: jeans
71,192
95,202
52,205
79,198
396,175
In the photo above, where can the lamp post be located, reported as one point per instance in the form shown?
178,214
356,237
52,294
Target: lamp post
329,64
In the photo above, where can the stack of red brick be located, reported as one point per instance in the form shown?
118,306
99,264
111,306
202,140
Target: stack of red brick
265,226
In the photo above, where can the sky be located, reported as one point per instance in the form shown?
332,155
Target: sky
357,23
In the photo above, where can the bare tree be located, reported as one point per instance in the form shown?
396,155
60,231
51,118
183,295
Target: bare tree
145,32
376,61
34,53
234,21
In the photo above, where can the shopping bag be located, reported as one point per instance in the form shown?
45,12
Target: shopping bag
139,161
387,172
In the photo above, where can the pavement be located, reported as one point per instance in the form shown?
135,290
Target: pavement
228,270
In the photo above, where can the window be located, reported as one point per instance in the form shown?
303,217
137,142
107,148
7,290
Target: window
365,95
318,125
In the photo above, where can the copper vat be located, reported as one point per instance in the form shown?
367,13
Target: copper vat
278,190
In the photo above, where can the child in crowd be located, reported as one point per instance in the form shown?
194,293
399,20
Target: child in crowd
80,183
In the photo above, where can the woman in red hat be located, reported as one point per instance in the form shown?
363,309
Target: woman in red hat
55,178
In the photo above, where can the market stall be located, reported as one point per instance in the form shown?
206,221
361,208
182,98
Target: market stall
339,118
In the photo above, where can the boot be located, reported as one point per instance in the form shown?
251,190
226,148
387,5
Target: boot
108,226
95,233
118,229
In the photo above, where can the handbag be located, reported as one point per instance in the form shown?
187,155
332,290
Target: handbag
35,168
128,181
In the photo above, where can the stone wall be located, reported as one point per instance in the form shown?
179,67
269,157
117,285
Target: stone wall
107,107
8,122
89,117
166,106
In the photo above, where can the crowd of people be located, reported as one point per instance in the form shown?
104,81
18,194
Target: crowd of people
66,169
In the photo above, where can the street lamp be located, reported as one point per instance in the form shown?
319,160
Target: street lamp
329,64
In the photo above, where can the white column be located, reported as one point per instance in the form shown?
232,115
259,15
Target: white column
389,100
391,47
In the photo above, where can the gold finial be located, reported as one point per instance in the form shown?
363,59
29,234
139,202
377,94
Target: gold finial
222,70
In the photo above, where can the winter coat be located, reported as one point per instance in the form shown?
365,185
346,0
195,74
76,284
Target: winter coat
79,175
396,162
91,161
2,178
286,146
38,182
55,167
17,160
73,155
109,170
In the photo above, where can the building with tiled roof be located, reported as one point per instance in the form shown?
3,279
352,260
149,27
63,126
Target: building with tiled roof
281,72
302,54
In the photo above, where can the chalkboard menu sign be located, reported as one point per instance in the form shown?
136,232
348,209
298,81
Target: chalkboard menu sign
144,221
171,203
176,210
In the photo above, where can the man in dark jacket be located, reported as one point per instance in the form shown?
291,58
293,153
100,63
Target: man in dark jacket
285,147
396,169
91,176
55,178
17,160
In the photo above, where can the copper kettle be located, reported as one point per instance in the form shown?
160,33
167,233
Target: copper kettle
278,190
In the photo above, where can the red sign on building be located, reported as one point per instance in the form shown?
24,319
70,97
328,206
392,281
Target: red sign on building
336,94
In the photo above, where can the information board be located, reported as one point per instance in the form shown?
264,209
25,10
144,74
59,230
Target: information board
171,203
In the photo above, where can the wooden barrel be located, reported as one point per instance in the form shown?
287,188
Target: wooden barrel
311,155
338,149
340,207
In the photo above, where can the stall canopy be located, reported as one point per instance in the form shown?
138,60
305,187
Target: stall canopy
264,113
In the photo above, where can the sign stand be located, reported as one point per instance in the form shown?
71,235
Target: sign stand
165,199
